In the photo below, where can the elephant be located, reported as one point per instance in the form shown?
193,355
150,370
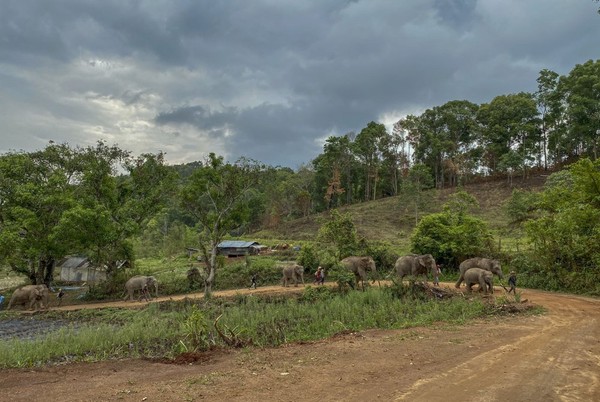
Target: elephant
484,263
359,267
484,278
414,265
292,272
139,282
35,295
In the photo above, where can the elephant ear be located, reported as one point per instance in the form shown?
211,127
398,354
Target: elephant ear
421,260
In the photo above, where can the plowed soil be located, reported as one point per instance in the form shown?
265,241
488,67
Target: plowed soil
550,357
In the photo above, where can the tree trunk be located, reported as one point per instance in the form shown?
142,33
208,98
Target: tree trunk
212,263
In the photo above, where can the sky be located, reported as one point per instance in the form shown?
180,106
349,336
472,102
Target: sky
268,80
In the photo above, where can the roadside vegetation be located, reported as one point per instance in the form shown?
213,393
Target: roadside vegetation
166,330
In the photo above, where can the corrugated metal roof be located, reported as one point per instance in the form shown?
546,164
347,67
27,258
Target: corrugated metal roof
74,262
236,244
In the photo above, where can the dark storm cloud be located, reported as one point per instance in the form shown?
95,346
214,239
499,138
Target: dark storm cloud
263,79
200,117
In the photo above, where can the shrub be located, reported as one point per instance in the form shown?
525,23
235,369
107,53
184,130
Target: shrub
451,237
308,258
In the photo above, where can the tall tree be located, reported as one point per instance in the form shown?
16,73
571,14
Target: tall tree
457,130
367,147
218,196
510,122
582,95
395,158
337,160
549,106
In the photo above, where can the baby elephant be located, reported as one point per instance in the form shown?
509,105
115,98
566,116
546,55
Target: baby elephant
484,278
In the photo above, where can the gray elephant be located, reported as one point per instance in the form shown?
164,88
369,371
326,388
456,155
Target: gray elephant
415,265
141,283
484,278
292,272
36,295
359,267
478,262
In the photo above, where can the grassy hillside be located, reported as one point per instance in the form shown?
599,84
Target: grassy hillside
389,220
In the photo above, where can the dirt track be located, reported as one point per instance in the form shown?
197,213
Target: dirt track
554,357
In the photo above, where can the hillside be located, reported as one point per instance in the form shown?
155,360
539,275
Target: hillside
389,220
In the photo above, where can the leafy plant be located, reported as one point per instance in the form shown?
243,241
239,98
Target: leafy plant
452,235
195,330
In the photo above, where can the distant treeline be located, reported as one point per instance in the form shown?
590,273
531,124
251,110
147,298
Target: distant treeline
451,144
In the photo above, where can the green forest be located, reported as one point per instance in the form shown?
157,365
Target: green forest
103,202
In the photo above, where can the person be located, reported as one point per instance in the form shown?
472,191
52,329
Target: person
253,280
318,276
145,293
1,301
60,295
512,282
436,277
322,276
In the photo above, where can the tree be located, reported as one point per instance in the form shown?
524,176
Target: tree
581,91
64,200
550,109
367,147
336,164
218,196
338,234
452,235
510,122
565,235
395,158
412,187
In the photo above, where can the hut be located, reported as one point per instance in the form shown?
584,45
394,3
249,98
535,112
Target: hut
236,248
80,269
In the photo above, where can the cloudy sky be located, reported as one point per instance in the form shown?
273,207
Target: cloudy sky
265,79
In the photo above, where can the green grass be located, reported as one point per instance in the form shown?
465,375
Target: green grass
166,329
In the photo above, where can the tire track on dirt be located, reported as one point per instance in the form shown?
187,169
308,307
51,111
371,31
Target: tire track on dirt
559,360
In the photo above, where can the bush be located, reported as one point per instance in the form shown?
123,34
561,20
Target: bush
520,206
384,256
308,258
451,237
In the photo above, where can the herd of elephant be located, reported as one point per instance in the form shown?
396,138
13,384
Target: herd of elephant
473,271
37,296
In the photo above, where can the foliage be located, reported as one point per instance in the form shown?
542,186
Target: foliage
412,188
167,329
218,196
382,253
308,258
338,234
452,235
520,206
195,330
567,232
64,200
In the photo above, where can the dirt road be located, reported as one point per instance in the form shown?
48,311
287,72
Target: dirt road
554,357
